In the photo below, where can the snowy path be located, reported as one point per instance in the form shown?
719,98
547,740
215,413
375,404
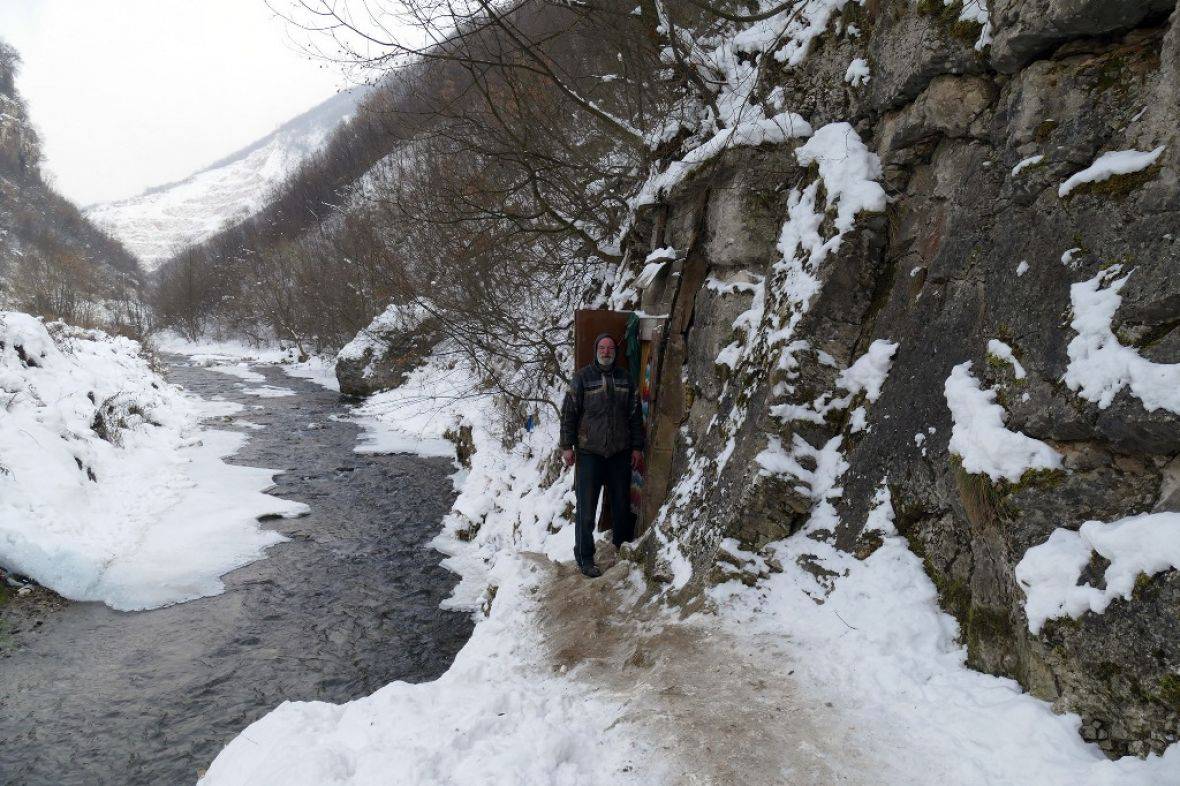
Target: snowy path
723,710
349,604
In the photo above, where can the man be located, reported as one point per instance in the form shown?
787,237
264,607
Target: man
602,424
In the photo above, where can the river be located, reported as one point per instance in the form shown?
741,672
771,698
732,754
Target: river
349,604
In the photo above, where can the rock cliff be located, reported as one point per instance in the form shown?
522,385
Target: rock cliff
786,275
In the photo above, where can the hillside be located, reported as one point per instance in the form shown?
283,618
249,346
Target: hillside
53,261
166,219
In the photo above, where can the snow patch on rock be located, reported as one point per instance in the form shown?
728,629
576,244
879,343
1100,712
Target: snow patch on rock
998,349
1107,165
1099,366
1137,545
979,437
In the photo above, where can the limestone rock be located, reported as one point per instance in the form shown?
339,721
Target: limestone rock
968,250
1025,29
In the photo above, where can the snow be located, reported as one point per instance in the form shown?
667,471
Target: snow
148,518
858,72
1022,268
396,318
1099,366
499,715
235,357
750,132
1027,162
820,485
998,349
791,32
873,645
849,171
269,391
1067,257
868,373
976,11
164,220
1107,165
240,370
414,417
979,437
868,649
881,515
653,264
858,421
1137,545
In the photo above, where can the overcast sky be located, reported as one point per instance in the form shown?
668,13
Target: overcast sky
129,94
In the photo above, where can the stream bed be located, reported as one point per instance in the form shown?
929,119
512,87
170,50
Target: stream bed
348,604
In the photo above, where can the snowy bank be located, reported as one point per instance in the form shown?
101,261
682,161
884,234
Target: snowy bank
109,488
499,715
233,356
509,499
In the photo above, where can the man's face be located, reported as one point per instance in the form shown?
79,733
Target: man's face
605,351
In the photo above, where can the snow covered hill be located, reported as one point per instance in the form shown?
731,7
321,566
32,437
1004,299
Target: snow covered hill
163,220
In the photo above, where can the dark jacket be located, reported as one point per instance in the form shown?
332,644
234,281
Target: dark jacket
600,413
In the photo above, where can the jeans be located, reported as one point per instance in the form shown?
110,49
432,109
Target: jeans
594,472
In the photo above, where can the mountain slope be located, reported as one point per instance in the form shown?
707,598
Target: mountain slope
166,219
53,262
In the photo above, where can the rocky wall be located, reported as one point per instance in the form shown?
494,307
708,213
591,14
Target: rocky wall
970,248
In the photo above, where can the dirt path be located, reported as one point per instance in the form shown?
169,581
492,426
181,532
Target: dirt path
729,709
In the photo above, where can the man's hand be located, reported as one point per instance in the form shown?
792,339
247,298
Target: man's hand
636,459
567,457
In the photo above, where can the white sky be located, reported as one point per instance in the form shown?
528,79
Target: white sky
129,94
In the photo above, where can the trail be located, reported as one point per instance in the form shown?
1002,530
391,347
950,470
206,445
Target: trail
727,711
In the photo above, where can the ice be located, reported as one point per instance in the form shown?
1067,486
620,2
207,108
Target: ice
269,391
235,357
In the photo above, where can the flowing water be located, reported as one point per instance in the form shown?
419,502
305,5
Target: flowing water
350,603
